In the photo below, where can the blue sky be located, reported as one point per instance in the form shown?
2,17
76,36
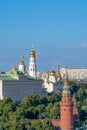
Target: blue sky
57,28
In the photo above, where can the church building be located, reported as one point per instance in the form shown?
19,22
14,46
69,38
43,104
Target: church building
19,82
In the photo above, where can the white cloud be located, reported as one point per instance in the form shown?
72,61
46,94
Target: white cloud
83,45
75,46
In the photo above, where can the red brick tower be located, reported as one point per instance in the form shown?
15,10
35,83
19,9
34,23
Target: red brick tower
66,107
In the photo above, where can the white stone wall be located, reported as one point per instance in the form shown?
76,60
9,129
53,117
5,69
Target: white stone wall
75,73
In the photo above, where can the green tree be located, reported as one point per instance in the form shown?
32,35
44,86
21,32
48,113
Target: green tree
55,97
55,112
41,111
36,125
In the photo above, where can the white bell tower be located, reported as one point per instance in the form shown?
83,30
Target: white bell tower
32,64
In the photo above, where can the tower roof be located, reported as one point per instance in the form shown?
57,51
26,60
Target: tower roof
32,53
52,73
21,63
14,69
66,88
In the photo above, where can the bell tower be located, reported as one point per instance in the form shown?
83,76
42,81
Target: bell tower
66,106
32,64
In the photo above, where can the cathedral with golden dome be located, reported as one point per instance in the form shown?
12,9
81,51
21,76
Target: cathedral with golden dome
18,82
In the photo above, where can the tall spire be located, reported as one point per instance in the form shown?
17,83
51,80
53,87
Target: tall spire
22,58
58,72
66,88
32,46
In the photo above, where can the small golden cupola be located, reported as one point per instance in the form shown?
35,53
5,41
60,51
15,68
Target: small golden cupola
32,53
22,67
14,72
14,69
21,63
52,73
52,76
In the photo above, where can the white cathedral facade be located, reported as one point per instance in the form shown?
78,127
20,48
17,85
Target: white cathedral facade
52,82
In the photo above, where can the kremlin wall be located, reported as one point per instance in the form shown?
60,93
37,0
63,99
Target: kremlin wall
18,83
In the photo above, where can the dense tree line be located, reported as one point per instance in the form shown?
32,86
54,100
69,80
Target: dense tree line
80,91
18,116
15,116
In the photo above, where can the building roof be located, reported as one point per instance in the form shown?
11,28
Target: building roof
12,74
52,73
66,87
21,62
33,78
7,78
16,73
32,53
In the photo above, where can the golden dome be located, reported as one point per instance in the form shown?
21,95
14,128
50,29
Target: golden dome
32,53
52,73
14,69
21,63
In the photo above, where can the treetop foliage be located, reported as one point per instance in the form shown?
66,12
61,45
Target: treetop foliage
16,116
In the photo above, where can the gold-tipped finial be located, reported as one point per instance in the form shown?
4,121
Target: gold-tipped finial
14,68
21,61
32,46
52,73
22,58
53,68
